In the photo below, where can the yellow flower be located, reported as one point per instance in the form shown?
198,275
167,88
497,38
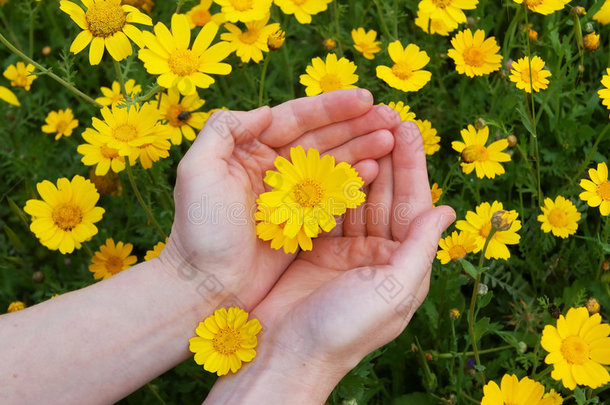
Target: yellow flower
64,218
544,7
244,10
200,15
111,259
591,41
105,25
433,25
405,74
454,314
145,5
473,54
597,190
603,15
520,74
555,396
180,114
168,54
96,152
428,134
578,347
156,251
329,44
435,193
455,247
604,93
60,122
224,340
449,11
593,306
16,306
113,96
20,75
250,44
302,9
364,42
330,75
151,152
514,392
8,96
402,109
267,230
475,155
276,40
559,216
479,225
310,191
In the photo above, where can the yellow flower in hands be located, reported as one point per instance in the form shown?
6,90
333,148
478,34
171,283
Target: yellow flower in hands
455,246
181,115
403,109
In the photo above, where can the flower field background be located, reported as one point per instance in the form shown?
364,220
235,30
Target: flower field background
537,159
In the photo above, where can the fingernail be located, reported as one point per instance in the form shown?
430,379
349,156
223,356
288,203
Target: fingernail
444,221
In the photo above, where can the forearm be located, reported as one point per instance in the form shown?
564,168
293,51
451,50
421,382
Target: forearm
109,338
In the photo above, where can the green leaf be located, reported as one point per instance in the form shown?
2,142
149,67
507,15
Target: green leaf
420,398
469,268
579,396
484,300
480,328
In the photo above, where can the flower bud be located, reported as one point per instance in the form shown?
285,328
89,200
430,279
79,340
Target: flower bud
480,123
605,265
591,41
429,357
589,27
522,347
276,40
46,51
502,220
454,314
593,306
482,289
38,276
581,68
578,10
329,44
533,35
512,140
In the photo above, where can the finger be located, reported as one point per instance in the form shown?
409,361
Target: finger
336,134
354,221
372,146
411,187
224,129
379,201
296,117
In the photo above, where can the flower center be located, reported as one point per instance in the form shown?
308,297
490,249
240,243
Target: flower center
575,350
249,37
330,82
21,80
473,57
105,18
474,153
61,126
457,252
441,3
525,75
604,190
125,133
67,216
242,5
226,341
114,264
308,193
485,229
201,17
402,70
109,153
183,62
558,218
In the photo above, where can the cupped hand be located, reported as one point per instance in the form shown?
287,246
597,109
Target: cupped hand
222,174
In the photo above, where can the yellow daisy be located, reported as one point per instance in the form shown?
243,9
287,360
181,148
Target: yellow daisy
330,75
244,10
449,11
168,54
224,340
597,190
603,15
435,193
520,74
155,150
475,155
433,25
555,396
182,118
60,122
404,110
604,93
578,348
145,5
156,251
455,246
267,230
302,9
16,306
514,391
310,191
96,152
473,54
365,42
405,74
559,216
479,224
20,75
8,96
276,40
106,24
111,259
544,7
431,141
200,15
250,44
65,216
113,96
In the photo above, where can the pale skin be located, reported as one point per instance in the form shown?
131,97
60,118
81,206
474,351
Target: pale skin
100,343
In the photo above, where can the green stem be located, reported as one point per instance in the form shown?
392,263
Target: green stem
453,355
384,26
144,206
31,30
156,394
119,76
261,88
151,93
592,151
48,72
335,8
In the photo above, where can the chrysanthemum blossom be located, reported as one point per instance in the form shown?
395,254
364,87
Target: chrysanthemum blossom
309,191
112,95
250,44
603,15
328,75
433,25
156,250
604,94
559,217
60,122
145,5
244,10
66,215
485,160
524,80
15,306
403,109
597,190
268,231
8,96
111,259
105,24
406,73
181,114
365,42
302,9
515,391
200,15
435,192
578,348
224,340
449,11
544,7
455,247
168,55
20,75
428,134
478,223
473,54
